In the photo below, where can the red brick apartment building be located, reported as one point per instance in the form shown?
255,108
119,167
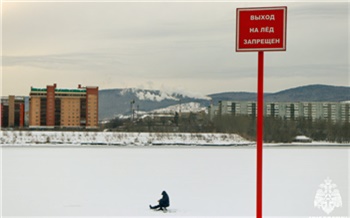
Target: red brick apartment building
12,112
65,108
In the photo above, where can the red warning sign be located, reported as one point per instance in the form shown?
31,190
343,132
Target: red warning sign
261,29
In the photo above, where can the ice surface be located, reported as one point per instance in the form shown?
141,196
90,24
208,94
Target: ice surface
201,181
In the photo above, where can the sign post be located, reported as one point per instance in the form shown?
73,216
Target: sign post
260,29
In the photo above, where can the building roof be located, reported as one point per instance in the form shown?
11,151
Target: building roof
58,90
17,98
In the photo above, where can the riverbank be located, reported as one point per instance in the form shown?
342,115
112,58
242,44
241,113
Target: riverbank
76,138
54,138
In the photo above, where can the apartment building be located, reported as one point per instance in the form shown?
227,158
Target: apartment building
63,107
332,111
12,111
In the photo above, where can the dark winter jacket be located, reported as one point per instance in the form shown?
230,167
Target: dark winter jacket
164,201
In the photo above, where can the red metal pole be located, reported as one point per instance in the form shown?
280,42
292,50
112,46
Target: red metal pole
259,134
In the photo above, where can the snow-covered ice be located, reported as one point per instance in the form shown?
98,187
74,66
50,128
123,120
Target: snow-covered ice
201,181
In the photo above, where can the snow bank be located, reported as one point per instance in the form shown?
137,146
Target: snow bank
23,138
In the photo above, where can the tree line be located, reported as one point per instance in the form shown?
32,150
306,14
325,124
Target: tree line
276,129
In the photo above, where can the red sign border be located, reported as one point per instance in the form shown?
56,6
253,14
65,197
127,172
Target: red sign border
284,48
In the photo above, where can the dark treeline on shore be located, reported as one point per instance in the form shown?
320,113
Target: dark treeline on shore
276,129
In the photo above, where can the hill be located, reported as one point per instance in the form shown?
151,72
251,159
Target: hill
114,102
310,93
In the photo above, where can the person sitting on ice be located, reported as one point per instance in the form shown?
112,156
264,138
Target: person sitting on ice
163,202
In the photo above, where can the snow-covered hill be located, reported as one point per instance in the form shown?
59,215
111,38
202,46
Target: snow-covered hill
116,102
185,108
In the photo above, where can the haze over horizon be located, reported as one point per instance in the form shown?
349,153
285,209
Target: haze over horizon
185,47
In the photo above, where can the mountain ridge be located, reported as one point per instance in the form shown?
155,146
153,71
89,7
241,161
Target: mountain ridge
114,102
317,92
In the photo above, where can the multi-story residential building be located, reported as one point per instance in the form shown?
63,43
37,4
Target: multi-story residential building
332,111
236,108
12,111
287,110
59,107
345,112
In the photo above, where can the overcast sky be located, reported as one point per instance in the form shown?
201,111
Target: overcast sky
174,46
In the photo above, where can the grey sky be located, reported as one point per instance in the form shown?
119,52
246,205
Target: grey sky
174,46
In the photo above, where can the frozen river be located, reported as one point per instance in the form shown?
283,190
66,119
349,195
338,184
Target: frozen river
201,181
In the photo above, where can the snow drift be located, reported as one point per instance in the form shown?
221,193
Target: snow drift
23,138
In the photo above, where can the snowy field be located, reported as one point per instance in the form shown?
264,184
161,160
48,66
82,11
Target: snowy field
201,181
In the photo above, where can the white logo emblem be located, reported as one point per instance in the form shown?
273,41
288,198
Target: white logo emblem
327,197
